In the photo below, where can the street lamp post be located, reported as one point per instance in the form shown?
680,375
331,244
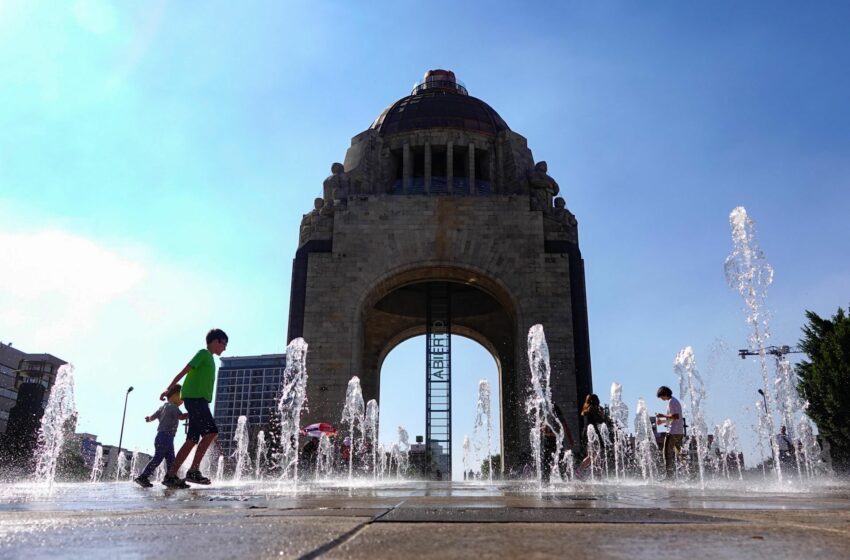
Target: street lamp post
121,437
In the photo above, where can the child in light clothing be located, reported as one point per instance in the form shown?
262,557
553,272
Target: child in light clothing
169,416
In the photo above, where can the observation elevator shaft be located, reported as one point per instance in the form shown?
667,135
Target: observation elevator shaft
438,382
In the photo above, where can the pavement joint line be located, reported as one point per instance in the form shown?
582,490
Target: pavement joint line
345,537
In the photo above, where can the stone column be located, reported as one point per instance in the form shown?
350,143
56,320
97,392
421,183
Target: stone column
406,171
427,168
471,175
491,167
450,161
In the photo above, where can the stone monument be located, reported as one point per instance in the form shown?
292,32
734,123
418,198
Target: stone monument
440,210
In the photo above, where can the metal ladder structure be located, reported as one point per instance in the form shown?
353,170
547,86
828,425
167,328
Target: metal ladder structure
438,382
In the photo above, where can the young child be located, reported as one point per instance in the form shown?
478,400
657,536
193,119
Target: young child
169,417
197,396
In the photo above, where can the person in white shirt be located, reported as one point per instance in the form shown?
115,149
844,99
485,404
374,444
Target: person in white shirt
675,428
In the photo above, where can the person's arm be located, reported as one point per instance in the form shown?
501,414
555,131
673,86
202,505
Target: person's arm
156,415
175,381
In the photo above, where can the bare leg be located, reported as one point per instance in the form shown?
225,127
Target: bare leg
181,456
206,441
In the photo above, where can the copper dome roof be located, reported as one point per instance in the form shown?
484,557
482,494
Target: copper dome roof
437,102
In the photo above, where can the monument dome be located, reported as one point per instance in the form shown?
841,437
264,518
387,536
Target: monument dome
439,101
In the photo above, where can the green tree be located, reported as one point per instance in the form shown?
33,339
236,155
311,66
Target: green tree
824,381
497,465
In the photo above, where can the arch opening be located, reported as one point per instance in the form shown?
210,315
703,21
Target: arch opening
402,402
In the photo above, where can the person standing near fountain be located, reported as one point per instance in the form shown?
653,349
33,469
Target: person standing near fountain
197,396
169,416
675,428
786,447
593,416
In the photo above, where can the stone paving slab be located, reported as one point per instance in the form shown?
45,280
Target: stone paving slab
591,542
543,515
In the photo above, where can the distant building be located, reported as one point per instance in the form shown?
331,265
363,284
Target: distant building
18,368
247,386
88,447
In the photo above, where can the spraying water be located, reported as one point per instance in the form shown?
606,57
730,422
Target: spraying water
372,433
324,457
403,452
646,449
620,419
484,423
260,456
729,448
748,272
808,447
293,399
159,473
692,391
467,450
789,400
121,467
51,436
219,470
353,414
539,403
134,464
593,451
243,461
97,464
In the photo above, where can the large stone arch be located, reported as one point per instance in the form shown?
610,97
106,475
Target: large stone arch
393,310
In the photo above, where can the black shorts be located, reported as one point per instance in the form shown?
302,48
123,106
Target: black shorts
201,421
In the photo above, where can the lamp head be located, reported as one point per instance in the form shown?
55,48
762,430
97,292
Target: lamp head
761,392
130,389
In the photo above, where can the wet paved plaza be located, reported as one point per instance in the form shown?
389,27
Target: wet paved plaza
417,519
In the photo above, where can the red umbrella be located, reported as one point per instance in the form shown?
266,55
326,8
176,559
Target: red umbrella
316,430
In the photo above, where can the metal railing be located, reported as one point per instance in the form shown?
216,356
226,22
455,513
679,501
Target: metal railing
440,185
425,85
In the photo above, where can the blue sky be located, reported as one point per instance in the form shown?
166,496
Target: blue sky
156,158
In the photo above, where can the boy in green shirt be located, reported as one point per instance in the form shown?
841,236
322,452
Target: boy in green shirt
197,395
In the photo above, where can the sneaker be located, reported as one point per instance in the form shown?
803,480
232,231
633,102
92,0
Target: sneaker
195,477
143,481
174,482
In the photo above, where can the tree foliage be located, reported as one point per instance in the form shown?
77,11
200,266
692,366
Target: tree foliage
824,380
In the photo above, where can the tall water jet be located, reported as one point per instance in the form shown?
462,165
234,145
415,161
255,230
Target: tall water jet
467,450
243,461
260,455
292,399
646,449
134,464
51,436
324,456
372,433
539,403
593,451
605,437
121,466
353,414
620,420
790,403
808,447
382,461
483,428
748,272
97,464
403,452
219,469
692,391
729,447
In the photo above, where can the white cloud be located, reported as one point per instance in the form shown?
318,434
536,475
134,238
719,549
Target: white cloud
54,283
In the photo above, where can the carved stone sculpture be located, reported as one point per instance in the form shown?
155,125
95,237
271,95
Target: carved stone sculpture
336,187
562,215
542,187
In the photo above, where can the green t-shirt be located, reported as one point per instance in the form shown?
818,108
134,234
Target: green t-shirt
201,378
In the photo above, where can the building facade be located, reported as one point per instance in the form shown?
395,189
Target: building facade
440,222
247,386
18,368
